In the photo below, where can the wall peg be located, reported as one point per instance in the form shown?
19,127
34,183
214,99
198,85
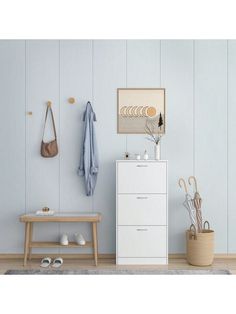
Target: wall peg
49,103
71,100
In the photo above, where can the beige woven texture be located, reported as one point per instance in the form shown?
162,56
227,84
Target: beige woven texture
200,248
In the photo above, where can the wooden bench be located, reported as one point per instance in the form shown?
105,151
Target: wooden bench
30,219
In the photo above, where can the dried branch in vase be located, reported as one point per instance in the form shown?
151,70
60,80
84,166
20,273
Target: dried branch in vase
149,129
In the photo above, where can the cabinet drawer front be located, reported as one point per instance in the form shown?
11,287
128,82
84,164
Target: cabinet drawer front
145,241
142,177
141,209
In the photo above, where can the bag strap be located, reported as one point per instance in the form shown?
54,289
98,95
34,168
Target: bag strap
53,122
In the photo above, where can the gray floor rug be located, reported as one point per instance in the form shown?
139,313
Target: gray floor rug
100,271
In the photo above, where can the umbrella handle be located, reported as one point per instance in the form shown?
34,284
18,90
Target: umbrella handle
195,182
184,183
206,222
193,232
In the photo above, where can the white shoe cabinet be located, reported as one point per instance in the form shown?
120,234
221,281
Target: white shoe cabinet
141,212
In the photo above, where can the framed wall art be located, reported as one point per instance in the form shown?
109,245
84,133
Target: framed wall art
137,107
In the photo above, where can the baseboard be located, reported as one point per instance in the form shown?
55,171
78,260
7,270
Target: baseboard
101,256
225,256
177,256
217,255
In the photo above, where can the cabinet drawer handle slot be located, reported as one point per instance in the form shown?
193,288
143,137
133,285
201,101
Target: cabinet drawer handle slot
140,166
141,229
142,197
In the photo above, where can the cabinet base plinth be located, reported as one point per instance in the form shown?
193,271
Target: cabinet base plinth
142,261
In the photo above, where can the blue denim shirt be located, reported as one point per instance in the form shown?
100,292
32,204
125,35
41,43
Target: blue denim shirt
88,166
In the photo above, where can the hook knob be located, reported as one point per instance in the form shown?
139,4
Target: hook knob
49,103
71,100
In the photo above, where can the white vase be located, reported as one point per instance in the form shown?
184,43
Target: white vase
157,152
145,156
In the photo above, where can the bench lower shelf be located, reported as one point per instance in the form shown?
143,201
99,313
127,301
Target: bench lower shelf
57,244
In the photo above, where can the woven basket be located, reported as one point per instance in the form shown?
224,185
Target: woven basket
200,246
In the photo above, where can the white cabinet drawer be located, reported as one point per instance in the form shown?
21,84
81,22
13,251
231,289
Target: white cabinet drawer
141,241
141,177
141,209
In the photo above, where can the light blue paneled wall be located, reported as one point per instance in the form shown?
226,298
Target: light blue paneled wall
42,175
210,134
177,145
12,138
199,77
143,70
231,143
75,81
109,72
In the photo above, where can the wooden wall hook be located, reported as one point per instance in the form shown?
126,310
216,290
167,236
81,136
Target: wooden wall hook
71,100
49,103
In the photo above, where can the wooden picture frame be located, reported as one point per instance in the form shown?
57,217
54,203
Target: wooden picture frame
138,106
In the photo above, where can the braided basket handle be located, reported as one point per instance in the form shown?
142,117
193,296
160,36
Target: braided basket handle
193,232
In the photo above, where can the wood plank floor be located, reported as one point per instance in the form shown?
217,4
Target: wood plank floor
219,263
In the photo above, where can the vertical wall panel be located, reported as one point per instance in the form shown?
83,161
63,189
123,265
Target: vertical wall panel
211,134
231,146
109,74
143,71
42,173
76,81
177,144
12,138
143,63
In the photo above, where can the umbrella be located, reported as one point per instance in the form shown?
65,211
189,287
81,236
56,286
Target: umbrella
197,202
188,203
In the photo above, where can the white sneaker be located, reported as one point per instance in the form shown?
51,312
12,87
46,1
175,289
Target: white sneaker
64,239
79,239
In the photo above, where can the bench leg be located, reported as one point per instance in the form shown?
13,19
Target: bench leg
95,243
27,234
30,239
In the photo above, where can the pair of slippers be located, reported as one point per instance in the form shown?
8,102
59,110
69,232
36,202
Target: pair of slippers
46,261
